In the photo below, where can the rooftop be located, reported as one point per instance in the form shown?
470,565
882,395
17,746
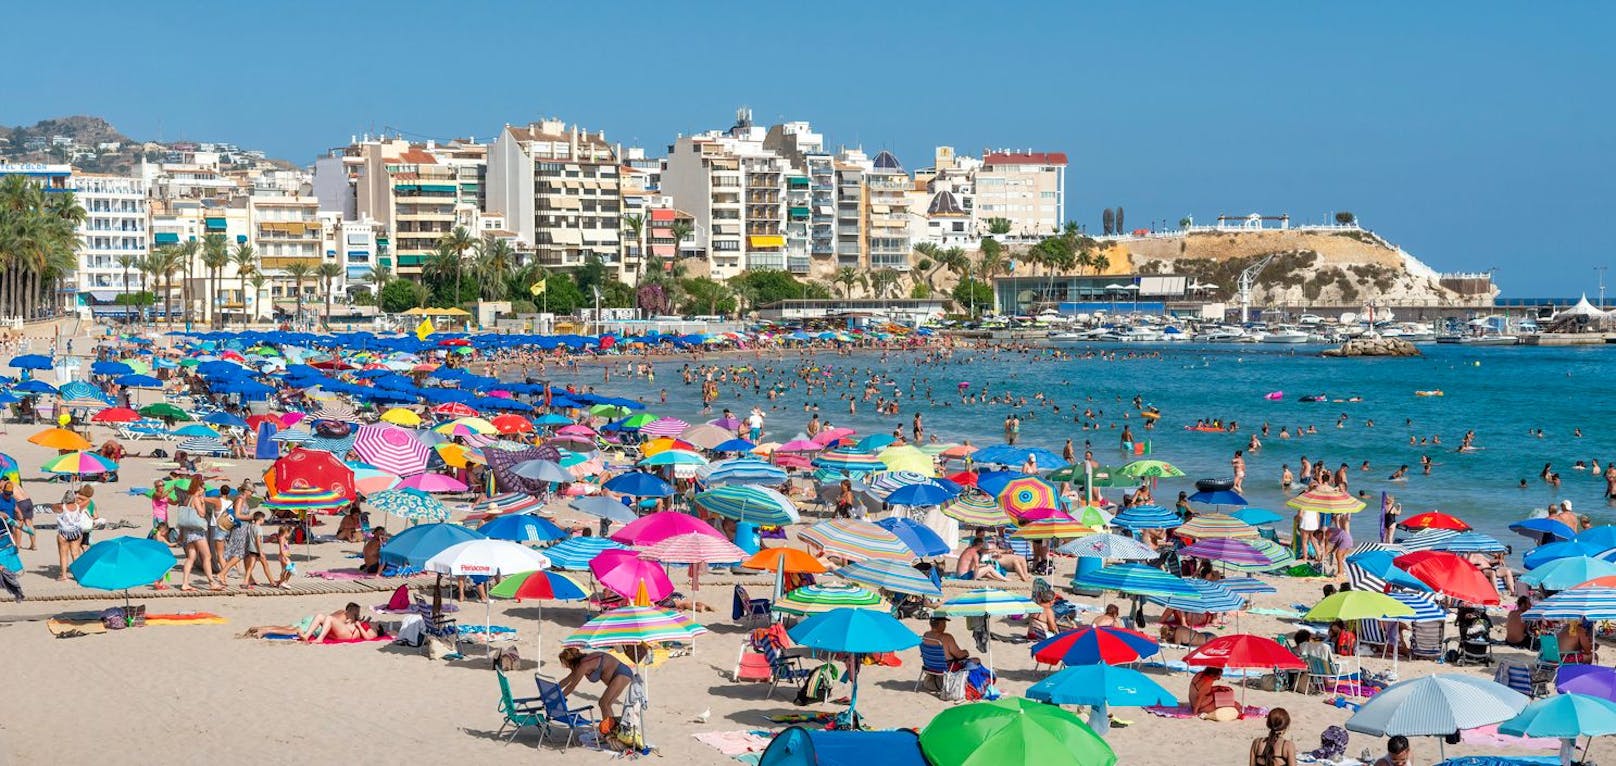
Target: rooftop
1024,158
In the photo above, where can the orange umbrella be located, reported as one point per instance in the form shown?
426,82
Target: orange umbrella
664,444
1607,581
783,560
60,438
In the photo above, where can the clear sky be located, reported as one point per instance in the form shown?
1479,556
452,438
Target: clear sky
1475,134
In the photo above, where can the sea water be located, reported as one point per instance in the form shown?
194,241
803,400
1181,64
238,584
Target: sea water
1504,394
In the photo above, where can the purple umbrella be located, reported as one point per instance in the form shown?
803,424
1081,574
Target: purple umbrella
1225,549
1593,680
728,423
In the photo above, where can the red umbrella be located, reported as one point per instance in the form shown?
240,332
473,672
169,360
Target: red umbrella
310,468
1450,575
454,342
964,478
512,424
455,410
1434,520
115,415
1243,650
1112,646
256,420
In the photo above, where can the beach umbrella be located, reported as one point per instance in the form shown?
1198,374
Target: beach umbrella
391,449
1135,579
638,484
31,362
1109,546
623,572
433,483
849,461
744,502
60,439
1543,554
1009,731
603,507
110,367
905,457
414,546
987,602
1567,573
746,470
692,548
165,411
634,625
507,502
1027,493
1243,650
664,427
1563,716
1211,596
929,493
1424,606
735,445
521,528
1146,517
34,386
919,537
656,446
781,561
79,463
543,470
833,435
298,434
1325,499
305,500
706,436
1434,520
1216,525
1088,646
1472,542
853,631
121,563
512,424
577,552
399,416
973,509
1435,706
610,411
202,445
78,394
994,482
881,485
1225,549
1543,530
1256,516
225,420
656,527
368,480
1218,497
890,576
1357,605
1052,528
1246,586
1591,603
1374,570
539,585
814,599
1593,680
139,381
855,540
674,457
411,505
1100,684
485,558
1450,575
115,415
1149,469
875,442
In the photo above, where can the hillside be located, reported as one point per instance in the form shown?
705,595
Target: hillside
93,145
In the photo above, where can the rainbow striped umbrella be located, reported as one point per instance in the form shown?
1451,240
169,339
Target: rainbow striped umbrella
813,599
986,602
976,510
674,457
633,625
1217,525
1278,557
894,576
1137,580
79,463
745,502
856,540
852,462
1052,528
466,427
305,500
1323,499
1028,493
1225,549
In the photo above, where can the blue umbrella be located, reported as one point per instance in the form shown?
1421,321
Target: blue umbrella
1256,516
521,528
1471,542
577,552
139,381
919,537
543,470
1535,529
746,470
875,442
735,445
34,386
1569,572
639,484
890,575
415,545
1100,684
603,507
1146,517
122,563
31,362
196,429
1543,554
1218,497
993,482
1563,716
110,368
853,631
225,419
1210,598
1598,537
1589,603
929,493
1378,566
744,502
1136,579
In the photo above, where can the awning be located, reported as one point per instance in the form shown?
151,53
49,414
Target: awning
290,227
766,240
662,251
797,182
104,296
661,233
406,187
798,212
662,214
213,223
438,189
166,238
566,237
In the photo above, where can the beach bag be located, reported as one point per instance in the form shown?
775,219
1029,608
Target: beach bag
225,521
817,686
508,660
953,688
188,518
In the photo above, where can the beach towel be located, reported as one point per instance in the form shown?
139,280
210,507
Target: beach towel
1184,711
328,640
1488,736
733,743
75,624
1494,760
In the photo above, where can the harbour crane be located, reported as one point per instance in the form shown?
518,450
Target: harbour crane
1248,278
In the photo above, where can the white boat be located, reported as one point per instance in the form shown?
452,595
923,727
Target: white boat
1284,335
1221,335
1489,339
1141,335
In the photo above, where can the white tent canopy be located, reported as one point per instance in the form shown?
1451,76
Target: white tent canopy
1582,309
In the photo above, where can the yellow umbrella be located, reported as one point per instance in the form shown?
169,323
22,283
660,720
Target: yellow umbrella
475,425
454,455
662,444
402,417
60,438
908,458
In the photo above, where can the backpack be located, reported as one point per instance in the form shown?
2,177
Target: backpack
817,686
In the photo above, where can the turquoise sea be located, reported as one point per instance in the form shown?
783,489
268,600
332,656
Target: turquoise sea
1503,394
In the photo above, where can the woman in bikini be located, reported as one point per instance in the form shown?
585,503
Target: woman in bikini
597,667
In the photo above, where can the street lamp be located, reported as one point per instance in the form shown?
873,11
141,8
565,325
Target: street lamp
1601,272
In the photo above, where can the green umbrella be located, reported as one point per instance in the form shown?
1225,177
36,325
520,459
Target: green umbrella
608,411
639,421
1149,469
1009,731
164,410
137,367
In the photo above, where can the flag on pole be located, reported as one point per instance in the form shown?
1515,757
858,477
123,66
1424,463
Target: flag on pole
424,329
539,287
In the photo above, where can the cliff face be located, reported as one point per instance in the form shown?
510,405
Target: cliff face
1322,267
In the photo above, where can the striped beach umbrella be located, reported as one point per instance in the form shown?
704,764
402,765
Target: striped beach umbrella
693,548
1569,572
297,435
1217,525
1472,542
1436,705
633,625
1591,603
1247,586
674,457
744,502
509,502
813,599
1027,493
1109,546
334,409
882,485
1325,499
542,585
1373,570
855,540
1052,528
1278,557
202,445
1146,517
1225,549
77,393
974,509
664,427
1209,598
392,449
987,602
745,470
1090,646
1423,604
411,505
336,445
576,552
894,576
78,463
849,461
1136,580
305,499
1428,540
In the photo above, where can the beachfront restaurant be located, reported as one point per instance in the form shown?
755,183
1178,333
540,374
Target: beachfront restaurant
1087,294
913,312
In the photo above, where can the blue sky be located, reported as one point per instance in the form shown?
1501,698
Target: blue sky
1476,135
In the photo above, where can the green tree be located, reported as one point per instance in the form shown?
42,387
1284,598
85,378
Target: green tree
328,273
973,295
847,278
882,281
401,295
299,272
495,260
246,260
215,256
562,295
458,241
186,252
166,264
257,281
998,227
128,263
38,244
703,295
771,285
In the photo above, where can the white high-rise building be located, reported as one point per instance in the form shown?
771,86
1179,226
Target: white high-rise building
114,231
736,190
1026,188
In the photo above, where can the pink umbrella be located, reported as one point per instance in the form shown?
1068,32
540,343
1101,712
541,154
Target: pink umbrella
664,427
623,572
793,461
659,526
1039,514
289,419
832,435
576,429
800,445
727,423
433,482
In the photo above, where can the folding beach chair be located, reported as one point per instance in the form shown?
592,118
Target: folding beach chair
782,668
750,611
1426,640
1322,670
558,714
519,712
933,662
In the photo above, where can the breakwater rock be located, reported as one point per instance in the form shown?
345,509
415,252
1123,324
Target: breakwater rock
1374,347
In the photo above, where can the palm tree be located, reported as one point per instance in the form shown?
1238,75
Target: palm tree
681,230
38,243
882,281
441,267
150,266
166,261
458,241
258,281
998,227
185,260
299,273
328,272
848,277
495,260
128,263
635,224
246,261
215,256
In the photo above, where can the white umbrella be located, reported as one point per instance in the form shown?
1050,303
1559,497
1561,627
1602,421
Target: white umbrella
486,558
1436,706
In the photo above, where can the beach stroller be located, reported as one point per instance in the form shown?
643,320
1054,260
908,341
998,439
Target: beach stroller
1475,645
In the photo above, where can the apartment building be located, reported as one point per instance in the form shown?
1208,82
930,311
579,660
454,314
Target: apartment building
888,213
114,231
943,202
560,190
735,188
1026,188
417,192
851,167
